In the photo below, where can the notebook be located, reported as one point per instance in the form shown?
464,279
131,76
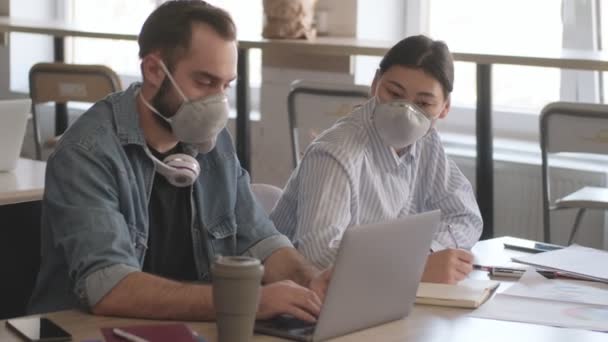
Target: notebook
469,293
175,332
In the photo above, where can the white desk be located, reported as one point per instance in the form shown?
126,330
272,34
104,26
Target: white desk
24,184
425,323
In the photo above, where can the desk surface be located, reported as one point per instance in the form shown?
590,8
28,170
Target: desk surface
339,46
425,323
24,184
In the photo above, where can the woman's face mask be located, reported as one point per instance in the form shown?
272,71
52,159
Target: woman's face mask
196,122
400,123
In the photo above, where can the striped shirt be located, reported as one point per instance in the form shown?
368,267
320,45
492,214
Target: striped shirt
348,176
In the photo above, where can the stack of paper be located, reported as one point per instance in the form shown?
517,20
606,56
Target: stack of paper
534,285
579,261
469,293
554,302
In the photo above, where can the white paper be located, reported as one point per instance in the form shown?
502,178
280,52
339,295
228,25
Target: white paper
538,311
574,259
534,285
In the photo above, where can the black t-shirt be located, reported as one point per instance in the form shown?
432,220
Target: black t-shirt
170,250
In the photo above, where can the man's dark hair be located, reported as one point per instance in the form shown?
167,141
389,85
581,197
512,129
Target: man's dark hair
432,56
168,29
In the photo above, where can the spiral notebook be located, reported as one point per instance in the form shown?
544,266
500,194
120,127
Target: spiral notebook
469,293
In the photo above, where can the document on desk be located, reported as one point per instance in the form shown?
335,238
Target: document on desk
534,285
544,312
577,260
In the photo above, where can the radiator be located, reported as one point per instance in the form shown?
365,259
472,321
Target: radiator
518,201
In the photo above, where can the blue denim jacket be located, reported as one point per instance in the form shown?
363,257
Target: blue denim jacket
95,208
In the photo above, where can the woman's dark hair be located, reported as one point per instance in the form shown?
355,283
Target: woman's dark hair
169,27
421,52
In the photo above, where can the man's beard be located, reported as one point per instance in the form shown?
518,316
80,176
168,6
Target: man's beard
160,101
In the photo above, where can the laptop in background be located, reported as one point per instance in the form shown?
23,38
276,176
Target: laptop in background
375,278
13,120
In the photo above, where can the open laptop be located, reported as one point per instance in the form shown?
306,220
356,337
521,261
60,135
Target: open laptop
13,120
375,278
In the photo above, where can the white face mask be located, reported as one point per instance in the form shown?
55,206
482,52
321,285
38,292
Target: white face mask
400,123
196,122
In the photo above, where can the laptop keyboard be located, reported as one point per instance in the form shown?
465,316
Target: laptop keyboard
290,323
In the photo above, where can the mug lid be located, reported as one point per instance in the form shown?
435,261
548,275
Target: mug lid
237,261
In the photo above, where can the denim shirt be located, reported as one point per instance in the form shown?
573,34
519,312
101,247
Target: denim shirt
95,208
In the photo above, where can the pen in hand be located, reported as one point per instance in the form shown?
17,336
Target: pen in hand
128,336
501,271
513,272
453,236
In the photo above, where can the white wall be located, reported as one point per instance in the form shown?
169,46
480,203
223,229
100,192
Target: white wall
518,194
342,16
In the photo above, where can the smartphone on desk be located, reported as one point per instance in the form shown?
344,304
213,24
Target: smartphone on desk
38,329
530,246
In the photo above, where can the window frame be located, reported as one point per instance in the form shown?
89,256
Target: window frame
517,123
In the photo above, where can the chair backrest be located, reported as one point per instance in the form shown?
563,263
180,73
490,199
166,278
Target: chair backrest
570,127
267,195
313,107
574,127
59,82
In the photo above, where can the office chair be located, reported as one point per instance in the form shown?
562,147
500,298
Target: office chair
572,128
61,83
323,104
267,195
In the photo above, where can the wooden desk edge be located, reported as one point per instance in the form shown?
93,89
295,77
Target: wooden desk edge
21,196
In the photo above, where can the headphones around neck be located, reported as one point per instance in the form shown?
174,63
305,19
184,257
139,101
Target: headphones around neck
181,170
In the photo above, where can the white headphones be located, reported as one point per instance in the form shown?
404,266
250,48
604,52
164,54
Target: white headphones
179,169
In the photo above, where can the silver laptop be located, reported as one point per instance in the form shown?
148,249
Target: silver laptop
375,278
13,119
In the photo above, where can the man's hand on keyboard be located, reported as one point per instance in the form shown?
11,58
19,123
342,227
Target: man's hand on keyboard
287,297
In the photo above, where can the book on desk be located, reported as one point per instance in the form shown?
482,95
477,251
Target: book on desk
176,332
469,293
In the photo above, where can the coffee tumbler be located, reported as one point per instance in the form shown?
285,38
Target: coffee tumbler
236,295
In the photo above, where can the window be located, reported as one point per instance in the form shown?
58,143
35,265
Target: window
28,49
120,55
129,16
469,25
248,16
518,92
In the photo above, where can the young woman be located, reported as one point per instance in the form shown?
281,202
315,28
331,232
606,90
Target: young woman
385,160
